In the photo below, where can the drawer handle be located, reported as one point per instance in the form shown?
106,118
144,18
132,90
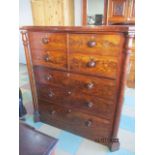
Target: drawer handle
91,43
53,112
91,63
90,85
69,92
51,94
89,104
48,77
45,40
47,58
88,123
69,111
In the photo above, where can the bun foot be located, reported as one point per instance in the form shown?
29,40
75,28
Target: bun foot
114,146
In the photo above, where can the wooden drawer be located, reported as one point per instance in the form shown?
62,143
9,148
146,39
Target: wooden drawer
86,103
54,59
94,106
94,65
76,83
50,76
47,41
93,86
103,44
51,93
74,121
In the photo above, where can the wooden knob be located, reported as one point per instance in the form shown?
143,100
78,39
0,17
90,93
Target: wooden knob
91,43
53,112
45,40
69,110
46,58
69,92
51,94
88,123
91,63
48,77
90,85
89,104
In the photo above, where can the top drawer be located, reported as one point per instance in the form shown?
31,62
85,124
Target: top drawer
47,41
103,44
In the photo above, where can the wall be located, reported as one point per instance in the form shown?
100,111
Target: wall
25,18
78,12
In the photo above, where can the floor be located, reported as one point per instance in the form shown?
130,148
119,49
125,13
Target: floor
70,144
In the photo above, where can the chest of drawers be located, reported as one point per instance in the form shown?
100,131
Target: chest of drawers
77,77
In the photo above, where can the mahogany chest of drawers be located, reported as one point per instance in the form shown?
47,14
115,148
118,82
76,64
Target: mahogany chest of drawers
77,77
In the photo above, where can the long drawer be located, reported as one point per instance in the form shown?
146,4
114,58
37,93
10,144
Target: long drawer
76,83
74,121
86,103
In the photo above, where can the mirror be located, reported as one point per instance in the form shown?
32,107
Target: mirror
95,12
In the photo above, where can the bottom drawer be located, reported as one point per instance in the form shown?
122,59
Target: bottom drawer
85,125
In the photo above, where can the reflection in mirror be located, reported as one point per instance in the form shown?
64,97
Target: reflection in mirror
95,10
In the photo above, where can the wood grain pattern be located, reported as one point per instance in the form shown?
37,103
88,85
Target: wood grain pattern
38,14
53,12
80,85
127,51
106,44
55,41
31,74
56,95
121,11
103,65
131,68
114,29
55,59
75,121
92,86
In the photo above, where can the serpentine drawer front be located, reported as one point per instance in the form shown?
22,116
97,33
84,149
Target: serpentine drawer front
77,77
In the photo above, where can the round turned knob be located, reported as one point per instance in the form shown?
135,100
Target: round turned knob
69,110
48,77
90,85
45,40
69,92
53,112
51,94
46,58
91,43
91,63
89,104
88,123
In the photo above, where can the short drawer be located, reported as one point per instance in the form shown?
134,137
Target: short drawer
74,121
94,65
50,76
47,41
51,58
103,44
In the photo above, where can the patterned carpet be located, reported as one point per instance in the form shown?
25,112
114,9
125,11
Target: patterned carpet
70,144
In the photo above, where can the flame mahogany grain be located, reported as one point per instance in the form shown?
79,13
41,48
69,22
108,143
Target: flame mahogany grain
78,76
